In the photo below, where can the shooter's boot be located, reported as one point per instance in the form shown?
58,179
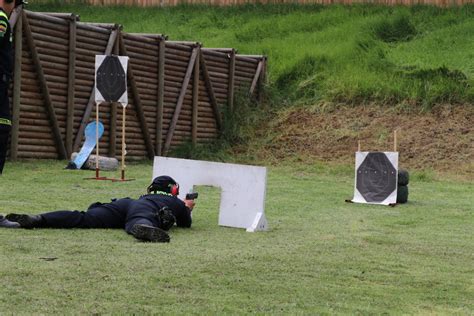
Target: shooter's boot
165,218
149,233
26,221
7,224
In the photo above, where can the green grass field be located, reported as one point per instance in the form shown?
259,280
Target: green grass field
321,256
417,55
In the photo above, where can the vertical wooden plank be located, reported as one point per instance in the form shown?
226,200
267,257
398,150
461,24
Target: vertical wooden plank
256,77
44,89
16,89
195,99
161,92
230,95
70,84
179,104
210,92
262,79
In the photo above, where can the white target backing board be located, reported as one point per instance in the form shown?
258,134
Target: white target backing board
111,79
242,187
376,176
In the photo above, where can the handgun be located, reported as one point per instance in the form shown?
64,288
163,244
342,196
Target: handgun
192,196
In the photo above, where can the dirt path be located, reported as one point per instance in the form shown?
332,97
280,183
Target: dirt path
442,139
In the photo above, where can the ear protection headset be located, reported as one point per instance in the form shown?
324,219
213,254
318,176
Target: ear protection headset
174,189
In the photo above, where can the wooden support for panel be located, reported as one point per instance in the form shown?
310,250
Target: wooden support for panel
210,91
256,77
395,140
161,93
137,103
16,89
230,93
70,86
91,102
195,100
261,80
179,103
44,89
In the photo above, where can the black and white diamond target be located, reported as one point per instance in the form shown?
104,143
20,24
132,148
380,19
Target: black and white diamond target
111,79
376,177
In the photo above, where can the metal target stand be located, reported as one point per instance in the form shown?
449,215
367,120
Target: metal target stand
111,87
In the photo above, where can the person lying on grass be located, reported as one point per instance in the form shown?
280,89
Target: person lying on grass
147,218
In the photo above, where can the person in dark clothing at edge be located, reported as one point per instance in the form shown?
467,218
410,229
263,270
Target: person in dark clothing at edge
146,218
6,67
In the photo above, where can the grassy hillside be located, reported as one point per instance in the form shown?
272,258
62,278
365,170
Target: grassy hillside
351,54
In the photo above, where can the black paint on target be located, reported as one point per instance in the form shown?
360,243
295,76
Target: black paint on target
376,177
111,79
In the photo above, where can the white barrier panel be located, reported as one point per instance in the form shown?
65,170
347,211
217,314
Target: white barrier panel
242,188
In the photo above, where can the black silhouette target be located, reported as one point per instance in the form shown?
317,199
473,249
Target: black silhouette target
376,177
111,80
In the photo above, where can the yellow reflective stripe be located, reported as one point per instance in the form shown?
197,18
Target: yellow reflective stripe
5,121
3,14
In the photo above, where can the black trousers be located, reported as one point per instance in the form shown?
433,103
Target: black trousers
122,213
4,135
4,129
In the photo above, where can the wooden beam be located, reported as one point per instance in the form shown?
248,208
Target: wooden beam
196,75
210,92
70,86
44,89
16,89
231,89
179,104
161,94
91,102
256,77
137,103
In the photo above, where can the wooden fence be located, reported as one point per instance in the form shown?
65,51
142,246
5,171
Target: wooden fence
443,3
177,90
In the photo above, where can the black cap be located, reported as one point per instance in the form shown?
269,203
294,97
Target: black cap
162,183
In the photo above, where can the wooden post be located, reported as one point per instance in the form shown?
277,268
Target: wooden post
358,145
16,89
124,115
70,84
256,77
97,139
179,104
395,140
230,95
195,99
44,89
161,92
261,80
210,92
